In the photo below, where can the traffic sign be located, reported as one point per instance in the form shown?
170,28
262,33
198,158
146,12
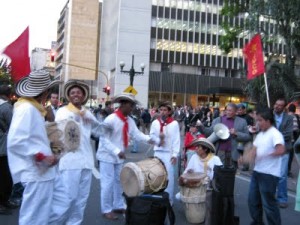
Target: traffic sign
131,90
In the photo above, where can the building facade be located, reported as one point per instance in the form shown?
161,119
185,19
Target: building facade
178,42
78,42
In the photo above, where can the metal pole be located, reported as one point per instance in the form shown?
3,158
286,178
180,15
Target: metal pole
267,92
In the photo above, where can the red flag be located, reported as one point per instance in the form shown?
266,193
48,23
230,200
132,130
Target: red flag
17,51
254,57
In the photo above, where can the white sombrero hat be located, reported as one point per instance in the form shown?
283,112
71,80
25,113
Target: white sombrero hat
36,83
203,142
77,83
124,97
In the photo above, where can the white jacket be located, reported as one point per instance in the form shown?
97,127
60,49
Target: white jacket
26,137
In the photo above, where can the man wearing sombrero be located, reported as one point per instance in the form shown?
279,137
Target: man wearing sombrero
167,128
28,148
111,154
72,184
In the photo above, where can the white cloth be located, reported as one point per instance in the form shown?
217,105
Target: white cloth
36,203
72,188
111,142
111,189
26,137
166,159
265,143
82,158
110,145
197,165
172,137
170,149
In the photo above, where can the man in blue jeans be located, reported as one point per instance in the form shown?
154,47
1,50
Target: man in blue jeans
284,123
268,147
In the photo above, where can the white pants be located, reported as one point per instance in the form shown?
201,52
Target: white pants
72,188
110,187
166,159
36,203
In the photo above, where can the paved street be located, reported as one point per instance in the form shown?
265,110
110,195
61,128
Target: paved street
94,217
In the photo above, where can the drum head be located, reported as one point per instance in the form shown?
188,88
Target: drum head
193,179
72,136
132,180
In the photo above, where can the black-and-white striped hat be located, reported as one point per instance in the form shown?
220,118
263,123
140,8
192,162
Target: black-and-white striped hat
36,83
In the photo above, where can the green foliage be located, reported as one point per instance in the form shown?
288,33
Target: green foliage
4,72
285,15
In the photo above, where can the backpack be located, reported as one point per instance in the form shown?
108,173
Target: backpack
149,209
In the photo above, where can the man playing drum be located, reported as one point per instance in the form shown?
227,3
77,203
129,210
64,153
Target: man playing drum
111,154
202,162
167,128
72,184
30,158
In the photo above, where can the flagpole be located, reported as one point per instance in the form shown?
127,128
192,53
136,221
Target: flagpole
267,92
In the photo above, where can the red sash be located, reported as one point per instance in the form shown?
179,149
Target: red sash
125,127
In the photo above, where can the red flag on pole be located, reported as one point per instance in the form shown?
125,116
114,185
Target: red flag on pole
254,57
17,51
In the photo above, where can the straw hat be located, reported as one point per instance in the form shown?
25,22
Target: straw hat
77,83
203,142
36,83
124,97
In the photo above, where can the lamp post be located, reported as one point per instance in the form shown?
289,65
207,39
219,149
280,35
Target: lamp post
132,71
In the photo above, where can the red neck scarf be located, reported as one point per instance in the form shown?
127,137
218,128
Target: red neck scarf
125,127
165,123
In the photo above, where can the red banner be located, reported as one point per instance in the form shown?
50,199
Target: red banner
254,57
17,51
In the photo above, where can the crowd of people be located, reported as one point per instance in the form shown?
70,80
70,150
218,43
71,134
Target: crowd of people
56,186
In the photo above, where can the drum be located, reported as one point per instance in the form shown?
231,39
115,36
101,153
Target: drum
193,194
146,176
64,136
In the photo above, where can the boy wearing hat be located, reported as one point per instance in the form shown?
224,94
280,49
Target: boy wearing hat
72,184
166,128
189,137
111,154
29,154
205,159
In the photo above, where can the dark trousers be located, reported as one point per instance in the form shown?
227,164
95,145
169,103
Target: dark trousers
262,198
5,180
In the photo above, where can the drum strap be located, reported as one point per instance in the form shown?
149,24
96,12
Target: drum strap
205,161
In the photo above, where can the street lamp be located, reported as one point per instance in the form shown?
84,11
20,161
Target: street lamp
131,72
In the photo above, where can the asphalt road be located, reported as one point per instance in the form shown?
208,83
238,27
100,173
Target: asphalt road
93,215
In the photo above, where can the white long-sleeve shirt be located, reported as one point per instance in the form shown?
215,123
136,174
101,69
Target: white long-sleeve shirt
82,158
111,143
27,136
172,137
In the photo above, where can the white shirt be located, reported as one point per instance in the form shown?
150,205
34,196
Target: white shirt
82,158
172,137
111,143
197,165
27,136
265,143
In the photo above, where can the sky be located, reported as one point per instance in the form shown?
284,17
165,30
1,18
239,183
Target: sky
40,15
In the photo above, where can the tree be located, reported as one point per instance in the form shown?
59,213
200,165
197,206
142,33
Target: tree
5,72
284,17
